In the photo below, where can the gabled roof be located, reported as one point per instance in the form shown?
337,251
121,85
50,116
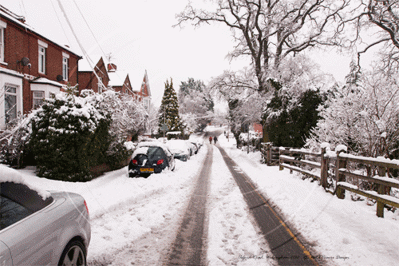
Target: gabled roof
145,86
117,78
100,67
20,21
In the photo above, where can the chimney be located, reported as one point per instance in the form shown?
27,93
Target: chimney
111,67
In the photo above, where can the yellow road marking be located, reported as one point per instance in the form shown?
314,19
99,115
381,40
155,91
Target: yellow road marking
305,251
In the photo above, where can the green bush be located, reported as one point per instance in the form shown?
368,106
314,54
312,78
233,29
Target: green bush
69,136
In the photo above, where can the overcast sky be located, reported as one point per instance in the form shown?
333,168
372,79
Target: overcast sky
139,36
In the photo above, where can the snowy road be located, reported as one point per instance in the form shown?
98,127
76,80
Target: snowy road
135,220
188,248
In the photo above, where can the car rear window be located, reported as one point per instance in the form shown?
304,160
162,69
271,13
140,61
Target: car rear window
155,153
11,212
24,196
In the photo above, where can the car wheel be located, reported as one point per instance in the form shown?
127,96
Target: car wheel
73,254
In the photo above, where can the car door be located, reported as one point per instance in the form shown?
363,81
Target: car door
33,239
171,160
5,255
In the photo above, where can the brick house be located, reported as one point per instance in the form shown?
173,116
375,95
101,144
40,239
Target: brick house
32,67
120,81
97,79
144,94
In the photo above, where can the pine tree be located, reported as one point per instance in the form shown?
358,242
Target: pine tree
169,110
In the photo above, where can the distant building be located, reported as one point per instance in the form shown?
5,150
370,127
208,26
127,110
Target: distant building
258,128
145,92
95,77
119,80
32,67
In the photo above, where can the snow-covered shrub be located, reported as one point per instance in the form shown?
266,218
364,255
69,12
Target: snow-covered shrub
128,119
13,142
69,136
362,116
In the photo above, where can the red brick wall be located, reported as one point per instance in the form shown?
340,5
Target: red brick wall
20,43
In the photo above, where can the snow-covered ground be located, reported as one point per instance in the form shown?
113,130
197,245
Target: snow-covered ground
134,220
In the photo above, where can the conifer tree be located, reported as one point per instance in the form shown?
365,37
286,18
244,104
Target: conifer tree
169,110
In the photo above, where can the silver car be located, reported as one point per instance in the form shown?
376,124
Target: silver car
37,230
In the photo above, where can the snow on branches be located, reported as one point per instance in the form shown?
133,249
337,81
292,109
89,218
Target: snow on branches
364,117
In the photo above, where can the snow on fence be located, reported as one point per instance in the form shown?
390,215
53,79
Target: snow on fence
343,169
270,154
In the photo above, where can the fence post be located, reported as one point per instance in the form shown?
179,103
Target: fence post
324,168
281,167
262,152
341,163
290,154
381,190
269,153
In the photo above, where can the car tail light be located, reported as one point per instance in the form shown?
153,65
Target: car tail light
134,161
87,208
160,162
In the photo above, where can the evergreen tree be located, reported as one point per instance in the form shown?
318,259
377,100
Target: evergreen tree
291,126
169,110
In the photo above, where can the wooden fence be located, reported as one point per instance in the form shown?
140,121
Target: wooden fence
343,169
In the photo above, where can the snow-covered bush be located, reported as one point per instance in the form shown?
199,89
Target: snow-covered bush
69,136
362,116
13,142
128,118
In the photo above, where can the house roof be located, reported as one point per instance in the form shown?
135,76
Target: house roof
117,78
20,20
85,66
145,86
47,81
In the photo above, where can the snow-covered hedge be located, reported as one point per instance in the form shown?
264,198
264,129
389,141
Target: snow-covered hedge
69,136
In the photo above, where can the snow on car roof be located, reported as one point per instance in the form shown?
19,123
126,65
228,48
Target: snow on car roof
140,150
177,144
153,144
11,175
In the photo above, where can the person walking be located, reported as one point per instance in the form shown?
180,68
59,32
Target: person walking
210,140
215,139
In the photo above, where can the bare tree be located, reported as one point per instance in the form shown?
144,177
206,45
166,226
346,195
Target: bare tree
378,18
270,30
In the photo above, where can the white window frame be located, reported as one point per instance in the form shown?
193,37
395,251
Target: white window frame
15,94
37,100
3,26
42,56
65,66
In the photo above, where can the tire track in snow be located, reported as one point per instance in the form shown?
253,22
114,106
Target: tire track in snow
143,227
233,236
188,248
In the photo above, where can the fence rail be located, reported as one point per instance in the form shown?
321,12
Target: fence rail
305,162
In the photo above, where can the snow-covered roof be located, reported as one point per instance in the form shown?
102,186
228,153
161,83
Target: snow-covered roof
47,81
88,64
117,78
11,72
20,20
